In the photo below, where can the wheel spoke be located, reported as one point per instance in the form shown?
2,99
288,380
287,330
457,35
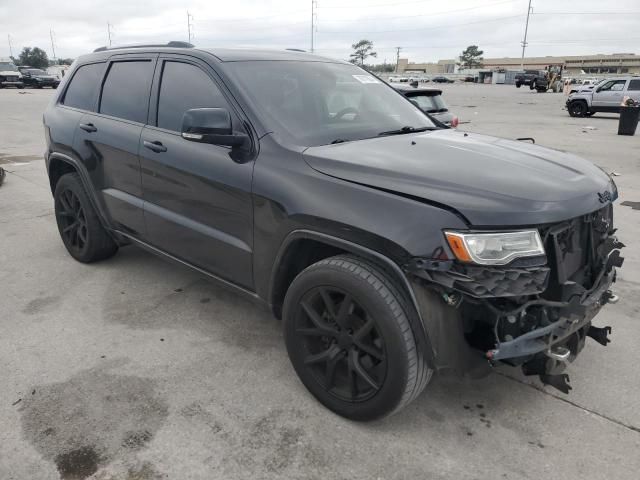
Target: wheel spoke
312,332
365,329
70,227
316,320
328,303
360,371
82,235
344,311
330,372
369,350
319,357
65,204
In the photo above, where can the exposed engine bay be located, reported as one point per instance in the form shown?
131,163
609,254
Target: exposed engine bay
536,312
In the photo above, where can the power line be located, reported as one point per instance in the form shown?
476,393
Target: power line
498,19
398,58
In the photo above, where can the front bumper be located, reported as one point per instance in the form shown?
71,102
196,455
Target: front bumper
7,83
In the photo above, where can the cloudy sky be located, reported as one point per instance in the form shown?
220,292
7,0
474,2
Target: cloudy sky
427,30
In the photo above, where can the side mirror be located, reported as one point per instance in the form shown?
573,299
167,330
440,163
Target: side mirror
211,125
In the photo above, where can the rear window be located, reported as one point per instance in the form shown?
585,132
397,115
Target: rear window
634,85
126,90
82,90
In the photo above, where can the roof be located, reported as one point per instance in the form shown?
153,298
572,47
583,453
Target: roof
246,54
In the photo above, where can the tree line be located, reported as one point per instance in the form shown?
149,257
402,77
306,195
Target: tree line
37,58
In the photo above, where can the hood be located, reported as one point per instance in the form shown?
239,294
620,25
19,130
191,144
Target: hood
490,181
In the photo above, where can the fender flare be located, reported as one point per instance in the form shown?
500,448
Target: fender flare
387,264
86,183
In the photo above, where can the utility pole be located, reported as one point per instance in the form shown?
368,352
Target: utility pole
189,24
10,47
524,42
314,18
398,58
53,46
109,33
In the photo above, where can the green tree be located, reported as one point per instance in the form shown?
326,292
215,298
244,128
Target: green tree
471,57
34,57
65,61
361,51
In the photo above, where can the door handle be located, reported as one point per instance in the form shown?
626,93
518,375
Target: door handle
88,127
155,146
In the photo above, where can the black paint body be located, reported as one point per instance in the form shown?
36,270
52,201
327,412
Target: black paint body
387,198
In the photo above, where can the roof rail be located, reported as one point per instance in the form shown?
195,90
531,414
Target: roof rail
172,44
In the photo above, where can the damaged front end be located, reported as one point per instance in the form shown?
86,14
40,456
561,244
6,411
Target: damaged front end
534,311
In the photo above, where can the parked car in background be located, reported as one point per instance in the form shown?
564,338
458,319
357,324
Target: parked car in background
390,248
607,96
528,77
441,79
10,76
582,87
37,78
430,101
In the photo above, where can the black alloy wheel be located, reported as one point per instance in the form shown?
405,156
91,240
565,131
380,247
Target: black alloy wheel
343,347
350,338
80,228
72,220
577,109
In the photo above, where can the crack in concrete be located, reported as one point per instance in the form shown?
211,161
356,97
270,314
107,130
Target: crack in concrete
569,402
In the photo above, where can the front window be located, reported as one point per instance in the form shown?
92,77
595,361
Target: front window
36,71
317,103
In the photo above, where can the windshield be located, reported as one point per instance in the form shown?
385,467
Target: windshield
429,103
8,67
36,71
315,103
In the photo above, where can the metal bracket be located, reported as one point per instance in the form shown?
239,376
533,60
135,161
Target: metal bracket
600,335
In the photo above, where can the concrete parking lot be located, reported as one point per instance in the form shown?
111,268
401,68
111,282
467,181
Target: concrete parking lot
134,368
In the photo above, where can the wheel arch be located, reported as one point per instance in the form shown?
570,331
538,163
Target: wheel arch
302,248
60,164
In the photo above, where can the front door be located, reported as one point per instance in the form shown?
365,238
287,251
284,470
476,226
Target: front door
609,95
197,199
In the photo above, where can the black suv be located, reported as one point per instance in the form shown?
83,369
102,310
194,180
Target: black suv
390,248
37,78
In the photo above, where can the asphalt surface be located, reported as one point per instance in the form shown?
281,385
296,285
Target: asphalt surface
134,368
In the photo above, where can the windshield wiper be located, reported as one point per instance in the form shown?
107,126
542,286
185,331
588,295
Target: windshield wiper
404,130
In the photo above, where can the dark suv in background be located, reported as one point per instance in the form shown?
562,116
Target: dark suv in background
391,248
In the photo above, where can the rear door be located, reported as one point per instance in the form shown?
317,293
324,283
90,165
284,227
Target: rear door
108,140
633,89
608,97
198,204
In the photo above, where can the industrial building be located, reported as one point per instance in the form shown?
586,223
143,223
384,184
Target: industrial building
573,65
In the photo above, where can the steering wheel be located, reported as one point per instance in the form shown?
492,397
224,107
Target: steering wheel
346,111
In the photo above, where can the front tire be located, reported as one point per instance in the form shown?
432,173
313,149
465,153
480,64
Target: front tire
578,108
82,233
349,339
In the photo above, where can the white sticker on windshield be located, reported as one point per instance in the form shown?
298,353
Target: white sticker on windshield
365,79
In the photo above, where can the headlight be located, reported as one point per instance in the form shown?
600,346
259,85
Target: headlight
494,248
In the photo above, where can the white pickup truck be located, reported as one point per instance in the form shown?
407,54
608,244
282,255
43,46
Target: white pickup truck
10,76
606,96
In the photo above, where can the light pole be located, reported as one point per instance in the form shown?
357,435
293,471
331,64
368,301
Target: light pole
524,42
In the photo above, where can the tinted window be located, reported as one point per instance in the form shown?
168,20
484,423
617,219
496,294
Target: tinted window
317,103
126,90
634,85
183,87
83,87
614,86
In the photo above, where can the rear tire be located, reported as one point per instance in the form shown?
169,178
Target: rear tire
350,341
82,233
